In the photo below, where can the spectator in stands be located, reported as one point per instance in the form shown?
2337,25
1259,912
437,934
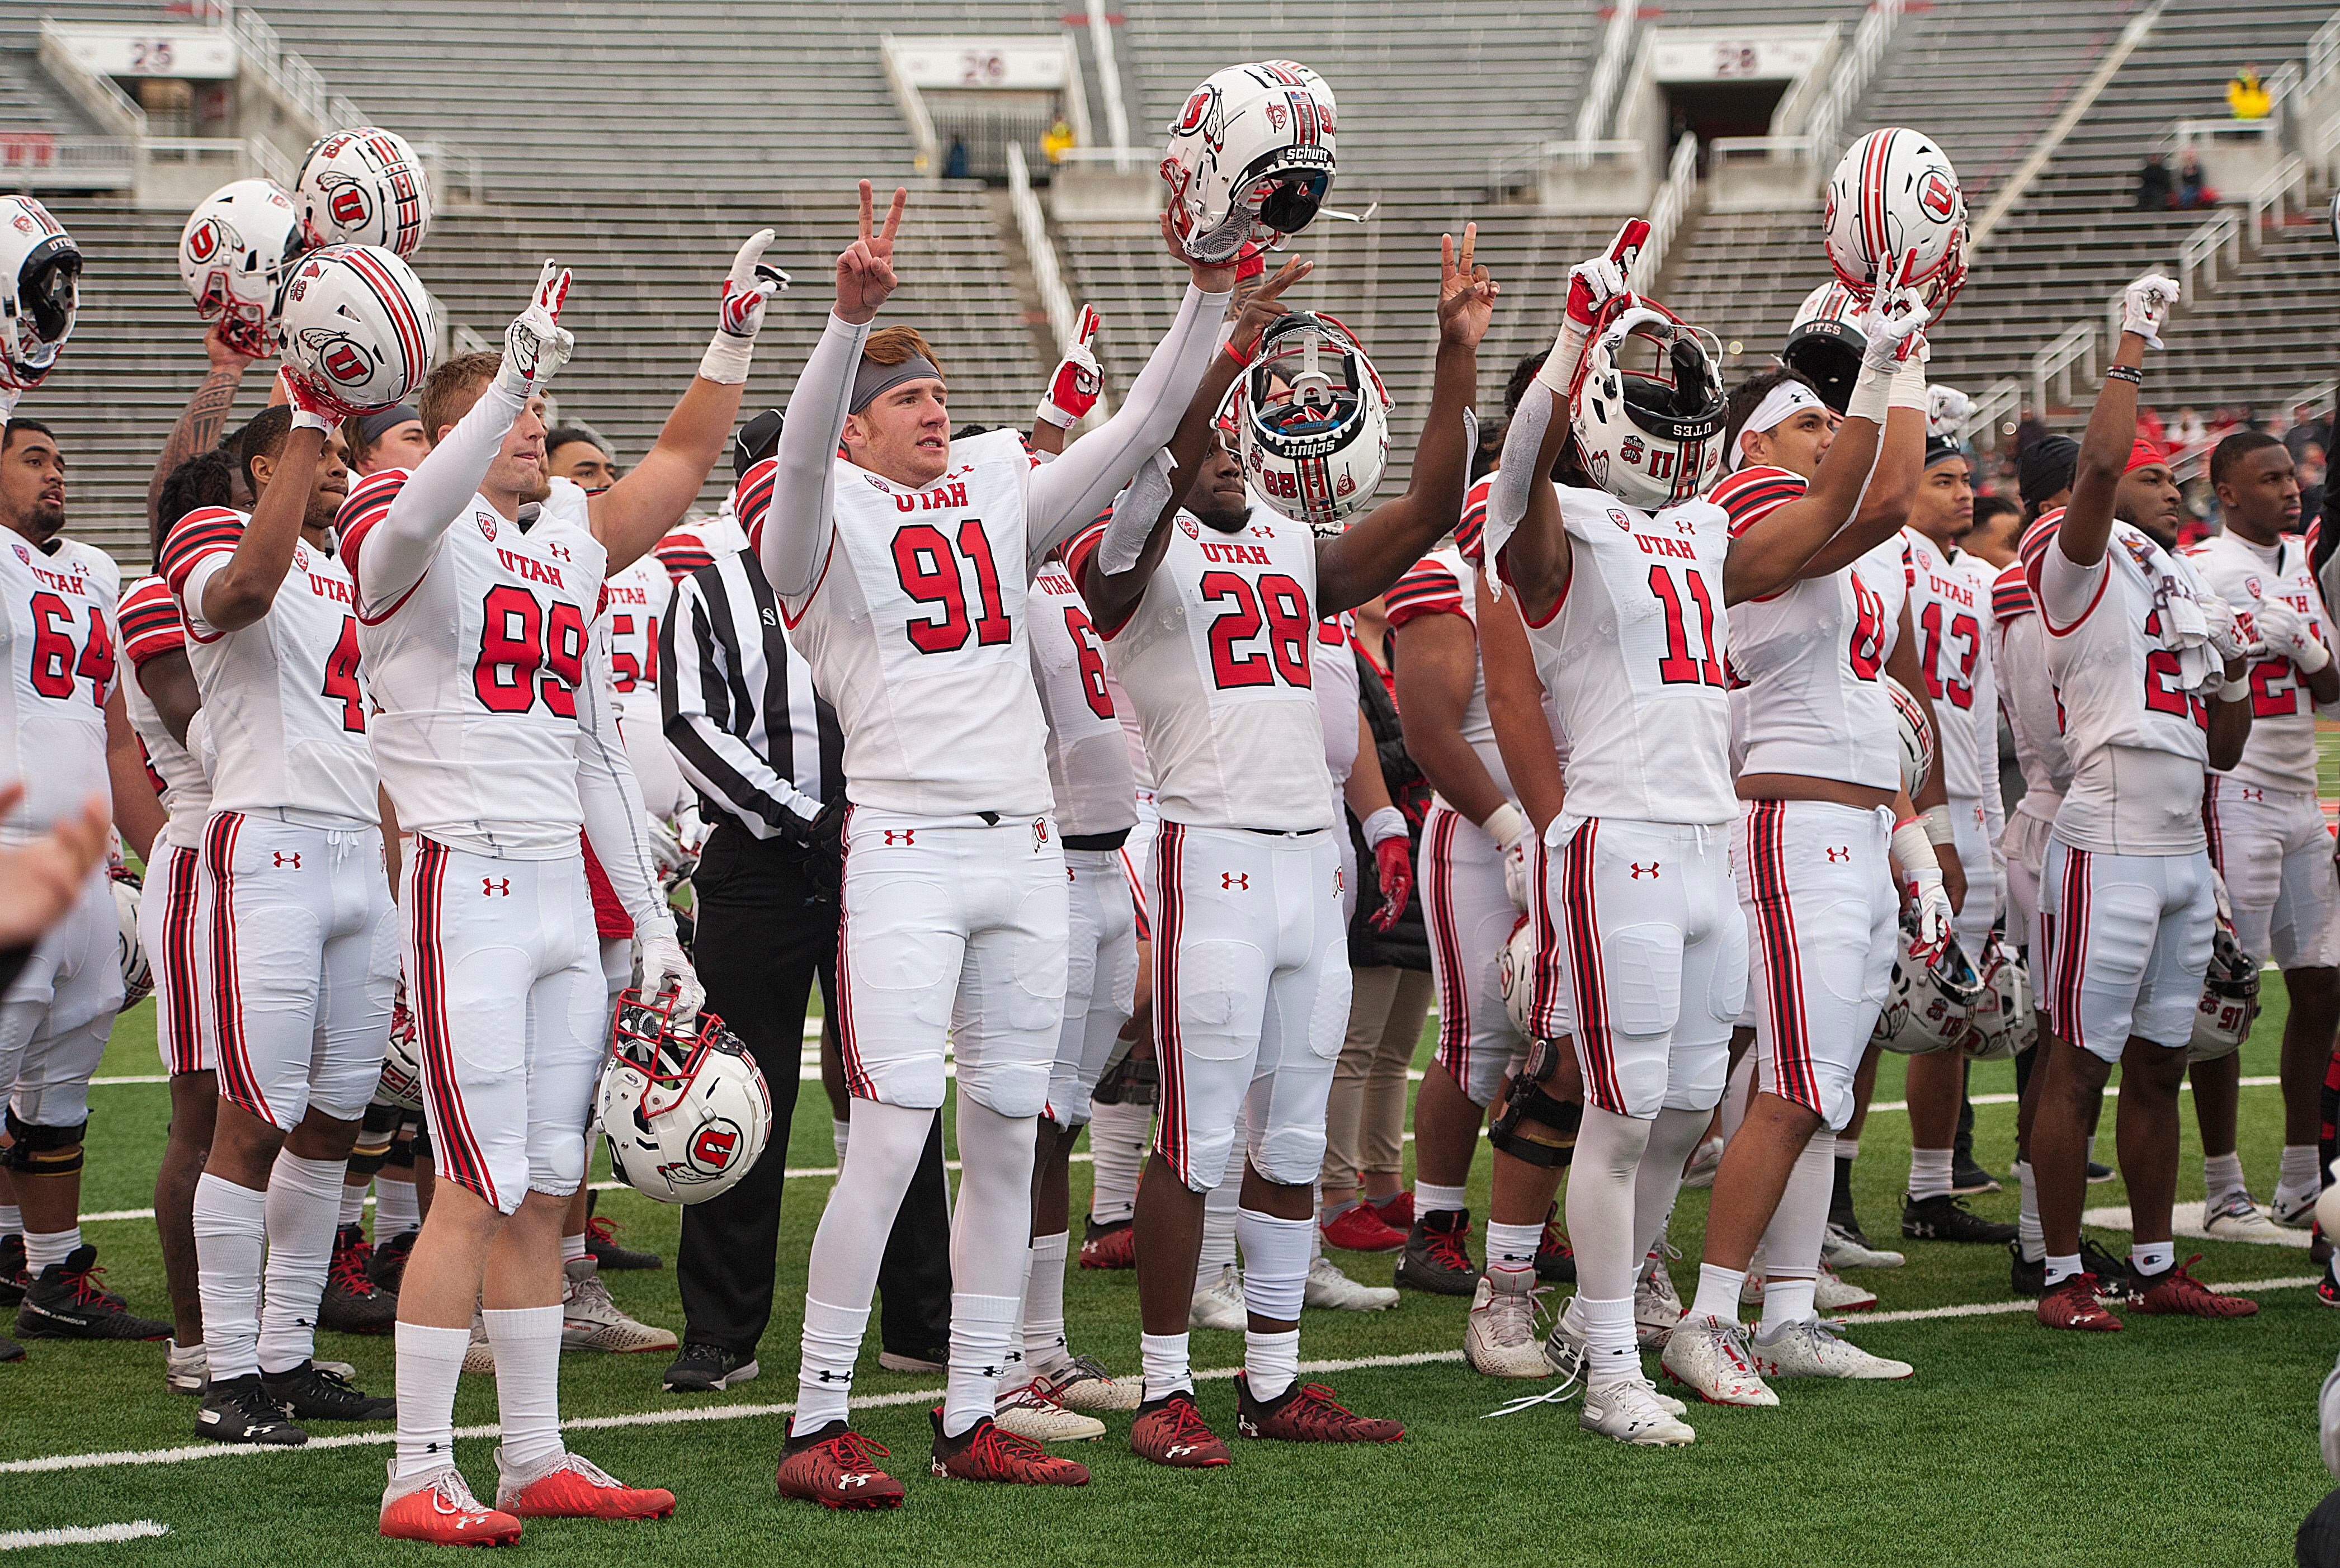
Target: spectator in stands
2192,192
577,452
2153,188
2247,96
954,160
2030,430
1056,140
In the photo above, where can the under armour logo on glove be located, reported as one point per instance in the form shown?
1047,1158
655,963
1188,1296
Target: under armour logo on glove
495,887
748,286
1234,881
1652,868
536,345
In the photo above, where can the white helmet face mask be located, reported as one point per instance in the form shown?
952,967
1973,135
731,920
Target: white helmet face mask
1894,199
1825,344
39,290
1250,158
402,1059
1647,408
1929,1005
235,256
2002,1021
364,187
357,329
1312,421
685,1116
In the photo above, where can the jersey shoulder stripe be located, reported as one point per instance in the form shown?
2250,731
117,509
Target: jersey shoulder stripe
751,501
1471,532
366,505
1752,495
1428,588
150,620
206,531
2010,594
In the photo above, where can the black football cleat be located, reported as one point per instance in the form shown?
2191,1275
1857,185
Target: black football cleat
308,1392
66,1302
1946,1218
239,1410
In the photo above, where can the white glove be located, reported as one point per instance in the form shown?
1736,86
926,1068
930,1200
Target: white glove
1894,326
1934,912
2286,634
691,829
746,288
663,968
1947,412
1507,824
1593,286
667,846
1073,389
536,345
2145,306
2219,628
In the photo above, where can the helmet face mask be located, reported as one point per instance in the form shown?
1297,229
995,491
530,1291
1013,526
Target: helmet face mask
1930,1004
2230,999
1646,409
685,1111
237,255
1311,420
1250,158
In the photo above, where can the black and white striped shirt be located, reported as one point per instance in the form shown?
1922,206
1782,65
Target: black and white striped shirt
740,708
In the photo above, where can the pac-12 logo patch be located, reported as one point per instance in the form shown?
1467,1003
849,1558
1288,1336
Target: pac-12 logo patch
487,527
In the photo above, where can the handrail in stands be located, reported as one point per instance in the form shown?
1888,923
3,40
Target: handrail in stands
2271,192
1594,115
1047,274
1995,409
1665,213
1117,109
2199,254
2055,361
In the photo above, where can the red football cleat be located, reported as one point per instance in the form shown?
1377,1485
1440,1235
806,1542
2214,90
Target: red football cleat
2073,1303
1170,1431
443,1512
575,1488
2178,1293
1307,1413
1110,1246
1361,1228
833,1466
985,1452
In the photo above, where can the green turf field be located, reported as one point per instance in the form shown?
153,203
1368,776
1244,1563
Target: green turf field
2173,1442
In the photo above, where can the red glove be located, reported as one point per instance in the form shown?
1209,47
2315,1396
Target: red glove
1395,865
1073,388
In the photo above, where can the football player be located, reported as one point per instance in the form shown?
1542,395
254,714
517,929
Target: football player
904,566
2266,832
2153,684
479,580
1211,623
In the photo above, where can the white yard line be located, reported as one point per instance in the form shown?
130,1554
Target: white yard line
81,1535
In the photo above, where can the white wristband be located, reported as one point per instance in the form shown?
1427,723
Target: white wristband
727,360
1559,367
2236,691
308,419
1912,851
1939,830
1872,392
1049,413
1386,823
2312,649
1908,389
1504,824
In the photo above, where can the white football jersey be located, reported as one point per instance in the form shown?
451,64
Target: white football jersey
1218,658
1334,669
286,694
2028,692
151,628
915,629
58,637
637,601
2139,739
2281,751
1813,655
1088,757
1950,614
476,669
1632,658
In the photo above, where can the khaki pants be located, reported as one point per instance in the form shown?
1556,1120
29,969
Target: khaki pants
1364,1121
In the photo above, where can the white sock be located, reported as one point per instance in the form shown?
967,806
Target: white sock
527,1343
1119,1137
2028,1234
1271,1362
1717,1293
2088,1152
1673,1137
2061,1267
832,1343
231,1226
1600,1203
1787,1301
396,1209
12,1219
2153,1256
43,1248
1043,1305
353,1203
1846,1148
1792,1241
304,1203
2296,1175
1275,1264
1610,1352
572,1248
1431,1199
847,1246
1161,1358
842,1132
429,1364
2222,1175
1510,1257
1219,1207
982,1337
1930,1172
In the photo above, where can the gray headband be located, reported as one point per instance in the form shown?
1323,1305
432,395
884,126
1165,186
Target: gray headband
374,426
873,378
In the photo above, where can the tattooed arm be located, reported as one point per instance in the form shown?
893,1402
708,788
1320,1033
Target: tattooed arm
202,422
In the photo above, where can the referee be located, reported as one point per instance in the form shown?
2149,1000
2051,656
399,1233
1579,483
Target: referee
765,758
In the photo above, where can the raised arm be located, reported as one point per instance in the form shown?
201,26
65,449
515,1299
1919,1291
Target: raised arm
201,422
635,513
241,588
2087,525
1376,552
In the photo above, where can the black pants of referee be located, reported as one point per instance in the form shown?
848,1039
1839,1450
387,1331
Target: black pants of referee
763,936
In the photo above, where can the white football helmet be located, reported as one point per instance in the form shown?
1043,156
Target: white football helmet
137,975
235,254
1928,1006
1825,342
1312,421
401,1057
358,328
1895,198
362,187
1647,407
39,290
2002,1022
1917,738
1250,158
685,1115
2230,998
1515,970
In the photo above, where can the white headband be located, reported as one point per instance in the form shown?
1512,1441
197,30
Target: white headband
1778,405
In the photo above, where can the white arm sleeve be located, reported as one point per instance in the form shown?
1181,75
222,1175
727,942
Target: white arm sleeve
400,548
797,526
616,822
2066,589
1515,480
1068,493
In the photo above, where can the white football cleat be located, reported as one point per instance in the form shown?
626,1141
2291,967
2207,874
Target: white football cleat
1710,1357
2235,1217
1812,1348
185,1368
1082,1383
1329,1288
1632,1410
478,1356
1656,1307
589,1320
2292,1210
1831,1292
1499,1337
1839,1248
1220,1305
1027,1411
1704,1161
1564,1347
